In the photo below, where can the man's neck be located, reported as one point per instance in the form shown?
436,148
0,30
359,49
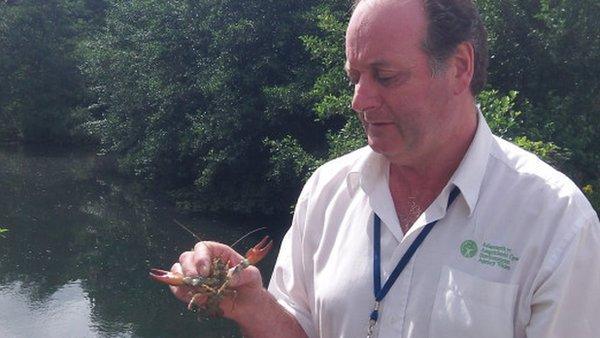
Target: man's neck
422,180
436,167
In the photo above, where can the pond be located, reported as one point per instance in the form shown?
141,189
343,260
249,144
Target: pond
80,243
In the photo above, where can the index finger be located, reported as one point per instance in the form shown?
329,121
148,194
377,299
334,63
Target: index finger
205,251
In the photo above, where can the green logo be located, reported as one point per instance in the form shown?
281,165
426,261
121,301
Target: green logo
468,248
489,254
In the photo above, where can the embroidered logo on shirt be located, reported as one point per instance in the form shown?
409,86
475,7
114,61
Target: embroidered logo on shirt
468,248
489,254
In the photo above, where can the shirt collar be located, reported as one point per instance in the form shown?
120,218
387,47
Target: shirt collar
366,171
468,177
370,173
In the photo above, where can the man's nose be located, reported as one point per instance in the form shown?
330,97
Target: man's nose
365,95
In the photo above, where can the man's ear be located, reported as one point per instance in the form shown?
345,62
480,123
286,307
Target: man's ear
463,63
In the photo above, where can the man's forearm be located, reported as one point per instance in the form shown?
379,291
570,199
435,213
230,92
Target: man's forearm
268,319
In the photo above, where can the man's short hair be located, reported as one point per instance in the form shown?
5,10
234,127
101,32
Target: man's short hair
451,22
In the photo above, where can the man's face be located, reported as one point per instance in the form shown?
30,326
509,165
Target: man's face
403,108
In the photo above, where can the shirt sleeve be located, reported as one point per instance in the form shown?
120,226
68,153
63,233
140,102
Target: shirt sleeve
567,302
289,279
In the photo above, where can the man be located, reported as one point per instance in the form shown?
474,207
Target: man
487,240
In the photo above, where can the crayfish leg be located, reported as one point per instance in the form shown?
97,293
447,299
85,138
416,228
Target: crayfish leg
193,302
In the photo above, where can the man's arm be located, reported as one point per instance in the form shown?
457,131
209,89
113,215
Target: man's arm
266,318
566,302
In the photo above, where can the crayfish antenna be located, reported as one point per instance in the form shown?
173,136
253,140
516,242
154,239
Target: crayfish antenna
259,251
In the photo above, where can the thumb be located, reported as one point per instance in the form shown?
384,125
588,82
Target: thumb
248,277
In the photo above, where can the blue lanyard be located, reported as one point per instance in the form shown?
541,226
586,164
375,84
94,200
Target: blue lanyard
378,291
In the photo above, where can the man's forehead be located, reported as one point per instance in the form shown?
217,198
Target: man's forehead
387,16
375,63
363,5
379,30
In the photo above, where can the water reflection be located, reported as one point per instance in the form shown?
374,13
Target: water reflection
79,248
66,313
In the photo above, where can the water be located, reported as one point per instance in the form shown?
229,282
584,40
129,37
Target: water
80,243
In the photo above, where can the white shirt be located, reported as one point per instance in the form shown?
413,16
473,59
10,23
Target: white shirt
529,264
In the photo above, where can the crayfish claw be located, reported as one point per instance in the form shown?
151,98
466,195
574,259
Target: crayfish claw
259,251
167,277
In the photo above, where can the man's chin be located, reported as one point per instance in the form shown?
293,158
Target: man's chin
382,148
393,151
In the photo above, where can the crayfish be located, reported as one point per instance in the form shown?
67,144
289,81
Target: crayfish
215,286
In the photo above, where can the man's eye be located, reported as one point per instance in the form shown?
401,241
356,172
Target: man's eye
385,79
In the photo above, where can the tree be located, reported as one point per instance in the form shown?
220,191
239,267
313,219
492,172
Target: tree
549,51
42,89
184,89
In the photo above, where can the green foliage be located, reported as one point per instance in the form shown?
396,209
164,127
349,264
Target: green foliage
330,88
41,86
592,191
507,122
3,232
289,161
39,83
190,90
331,96
500,113
549,51
139,74
547,151
231,105
349,138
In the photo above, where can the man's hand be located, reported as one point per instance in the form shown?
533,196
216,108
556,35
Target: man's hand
254,309
247,283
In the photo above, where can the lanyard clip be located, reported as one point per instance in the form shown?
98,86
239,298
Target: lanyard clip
373,319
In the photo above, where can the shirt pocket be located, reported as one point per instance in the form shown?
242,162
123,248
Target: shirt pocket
467,306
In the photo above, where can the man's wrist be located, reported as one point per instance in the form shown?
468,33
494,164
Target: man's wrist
243,310
263,316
